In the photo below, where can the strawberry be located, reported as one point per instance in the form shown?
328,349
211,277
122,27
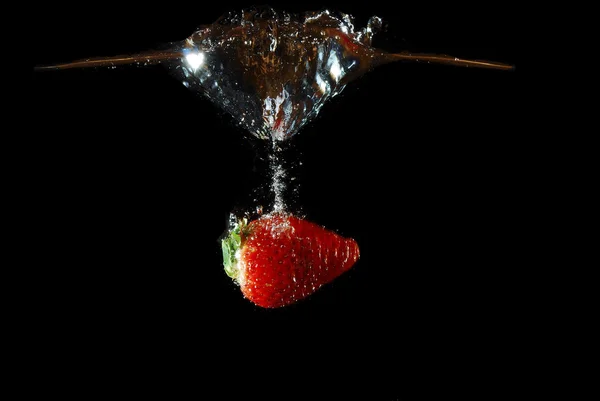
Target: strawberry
279,259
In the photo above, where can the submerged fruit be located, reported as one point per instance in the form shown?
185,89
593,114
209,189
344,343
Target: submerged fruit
280,259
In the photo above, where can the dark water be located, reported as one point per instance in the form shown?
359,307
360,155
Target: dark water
134,176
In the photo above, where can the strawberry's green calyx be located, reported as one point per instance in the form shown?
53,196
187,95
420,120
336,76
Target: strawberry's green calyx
231,244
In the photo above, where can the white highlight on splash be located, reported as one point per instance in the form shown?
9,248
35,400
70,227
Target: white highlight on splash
336,70
194,60
271,112
323,85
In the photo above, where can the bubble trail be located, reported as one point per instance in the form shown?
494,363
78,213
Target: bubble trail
278,178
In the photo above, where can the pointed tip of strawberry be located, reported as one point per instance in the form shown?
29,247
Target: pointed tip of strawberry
230,245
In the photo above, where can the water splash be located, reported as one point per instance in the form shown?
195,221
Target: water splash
273,71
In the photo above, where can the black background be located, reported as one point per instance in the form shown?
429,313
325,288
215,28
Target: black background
135,176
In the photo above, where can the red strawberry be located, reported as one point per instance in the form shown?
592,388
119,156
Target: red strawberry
280,259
